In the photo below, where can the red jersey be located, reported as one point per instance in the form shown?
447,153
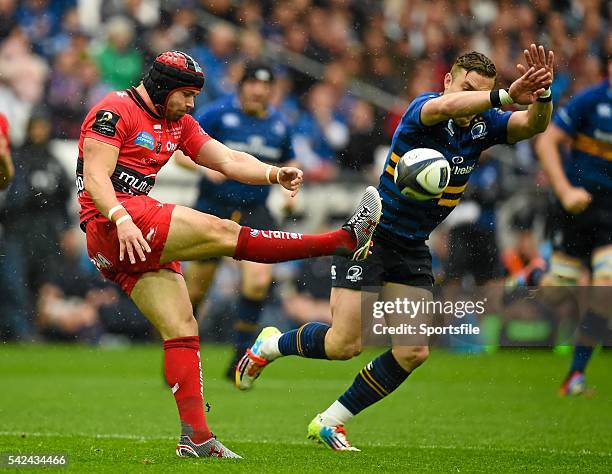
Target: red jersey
4,128
145,140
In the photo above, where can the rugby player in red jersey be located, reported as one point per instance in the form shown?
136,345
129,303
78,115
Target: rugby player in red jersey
6,164
138,242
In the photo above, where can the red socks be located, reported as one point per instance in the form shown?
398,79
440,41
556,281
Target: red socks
183,370
272,246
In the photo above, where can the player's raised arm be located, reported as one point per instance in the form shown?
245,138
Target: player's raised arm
472,93
526,124
99,162
246,168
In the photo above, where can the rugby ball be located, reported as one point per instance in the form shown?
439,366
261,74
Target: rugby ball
422,174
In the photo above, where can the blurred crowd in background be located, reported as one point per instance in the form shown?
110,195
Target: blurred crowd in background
346,70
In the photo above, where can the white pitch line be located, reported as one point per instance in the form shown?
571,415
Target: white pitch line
51,434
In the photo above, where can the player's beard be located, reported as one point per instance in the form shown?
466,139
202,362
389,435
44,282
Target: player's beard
255,107
178,114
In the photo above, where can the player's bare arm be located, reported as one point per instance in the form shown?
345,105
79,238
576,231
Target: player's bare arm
7,170
246,168
534,120
99,161
185,162
573,199
476,95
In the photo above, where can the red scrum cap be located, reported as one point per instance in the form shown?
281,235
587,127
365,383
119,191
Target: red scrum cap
171,71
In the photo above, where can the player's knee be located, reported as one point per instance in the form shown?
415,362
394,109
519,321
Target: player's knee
410,357
223,232
182,327
342,348
346,352
256,287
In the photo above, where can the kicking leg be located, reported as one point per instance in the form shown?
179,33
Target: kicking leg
162,297
194,236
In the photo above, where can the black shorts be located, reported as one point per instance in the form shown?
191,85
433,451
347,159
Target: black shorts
255,217
472,251
578,235
393,260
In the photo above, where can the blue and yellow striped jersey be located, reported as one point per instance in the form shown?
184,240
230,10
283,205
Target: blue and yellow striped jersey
587,118
407,218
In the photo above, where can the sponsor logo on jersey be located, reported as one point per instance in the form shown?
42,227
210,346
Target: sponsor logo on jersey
126,180
457,160
105,123
463,169
254,232
230,120
604,110
333,272
354,273
479,130
145,140
279,234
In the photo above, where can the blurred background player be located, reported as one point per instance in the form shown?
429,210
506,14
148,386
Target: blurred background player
462,121
248,123
138,242
582,224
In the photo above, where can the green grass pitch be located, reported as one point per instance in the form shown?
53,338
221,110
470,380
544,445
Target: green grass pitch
110,412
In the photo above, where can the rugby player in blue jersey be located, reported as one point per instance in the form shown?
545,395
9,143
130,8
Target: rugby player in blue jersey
460,123
246,122
582,225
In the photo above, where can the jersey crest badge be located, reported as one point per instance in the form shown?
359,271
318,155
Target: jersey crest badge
479,130
106,123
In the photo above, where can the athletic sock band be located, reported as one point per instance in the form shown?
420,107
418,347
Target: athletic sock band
375,381
306,341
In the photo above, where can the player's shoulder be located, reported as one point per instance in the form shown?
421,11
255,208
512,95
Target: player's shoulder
412,114
119,99
117,103
423,97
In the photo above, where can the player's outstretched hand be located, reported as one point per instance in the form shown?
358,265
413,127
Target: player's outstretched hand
537,58
575,200
527,88
290,178
131,242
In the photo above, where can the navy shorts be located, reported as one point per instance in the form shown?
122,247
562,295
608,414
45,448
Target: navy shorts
578,235
393,260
